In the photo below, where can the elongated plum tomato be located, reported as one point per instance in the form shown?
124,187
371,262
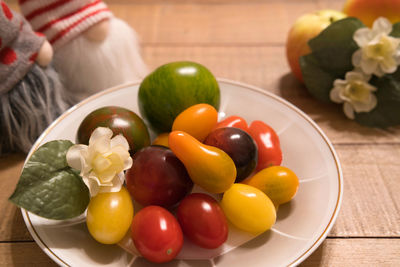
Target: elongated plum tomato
269,148
233,121
156,234
197,120
109,216
248,208
279,183
239,145
202,220
157,177
209,167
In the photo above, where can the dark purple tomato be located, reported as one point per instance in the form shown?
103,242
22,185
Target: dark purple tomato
202,220
120,121
239,145
157,177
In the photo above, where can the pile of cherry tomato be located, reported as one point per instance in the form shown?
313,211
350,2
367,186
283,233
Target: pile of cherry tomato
239,161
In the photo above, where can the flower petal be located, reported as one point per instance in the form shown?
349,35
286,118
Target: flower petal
92,185
389,65
356,58
74,156
100,132
368,65
381,25
335,95
365,106
101,145
348,111
117,183
354,76
119,140
362,36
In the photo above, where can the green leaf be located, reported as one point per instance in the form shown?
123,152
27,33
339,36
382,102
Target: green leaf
396,30
319,82
330,58
387,111
334,46
50,188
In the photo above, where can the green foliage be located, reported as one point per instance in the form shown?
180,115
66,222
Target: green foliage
50,188
330,59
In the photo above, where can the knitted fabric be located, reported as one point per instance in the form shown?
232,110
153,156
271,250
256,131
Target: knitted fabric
19,46
28,109
63,20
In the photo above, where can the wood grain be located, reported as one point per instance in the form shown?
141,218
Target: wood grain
356,252
371,203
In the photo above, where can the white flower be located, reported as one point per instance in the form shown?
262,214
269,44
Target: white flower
379,53
355,92
102,162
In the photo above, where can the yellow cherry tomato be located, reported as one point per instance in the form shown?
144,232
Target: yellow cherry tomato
279,183
161,140
248,208
109,216
197,120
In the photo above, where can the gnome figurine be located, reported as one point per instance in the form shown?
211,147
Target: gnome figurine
93,50
31,95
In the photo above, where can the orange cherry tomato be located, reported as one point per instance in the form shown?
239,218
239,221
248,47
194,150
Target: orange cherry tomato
197,120
279,183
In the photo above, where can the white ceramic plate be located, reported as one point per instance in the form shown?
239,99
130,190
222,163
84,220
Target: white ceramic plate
301,225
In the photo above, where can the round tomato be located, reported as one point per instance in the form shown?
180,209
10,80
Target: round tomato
202,220
156,234
157,177
121,121
248,208
109,216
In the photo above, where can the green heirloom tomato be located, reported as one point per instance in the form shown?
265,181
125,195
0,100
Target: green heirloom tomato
172,88
120,121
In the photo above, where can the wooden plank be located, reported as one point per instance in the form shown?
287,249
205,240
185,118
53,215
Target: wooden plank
210,23
23,254
12,226
356,252
332,252
266,67
371,203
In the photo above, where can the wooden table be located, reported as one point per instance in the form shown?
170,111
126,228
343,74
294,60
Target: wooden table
244,40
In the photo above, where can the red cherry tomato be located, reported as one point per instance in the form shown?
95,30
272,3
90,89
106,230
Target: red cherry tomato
233,121
269,149
156,234
202,220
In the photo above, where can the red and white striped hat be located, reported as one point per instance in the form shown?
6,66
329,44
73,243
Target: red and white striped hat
63,20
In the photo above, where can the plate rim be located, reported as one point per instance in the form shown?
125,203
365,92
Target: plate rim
298,260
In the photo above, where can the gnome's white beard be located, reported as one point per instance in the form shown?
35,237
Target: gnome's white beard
87,67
